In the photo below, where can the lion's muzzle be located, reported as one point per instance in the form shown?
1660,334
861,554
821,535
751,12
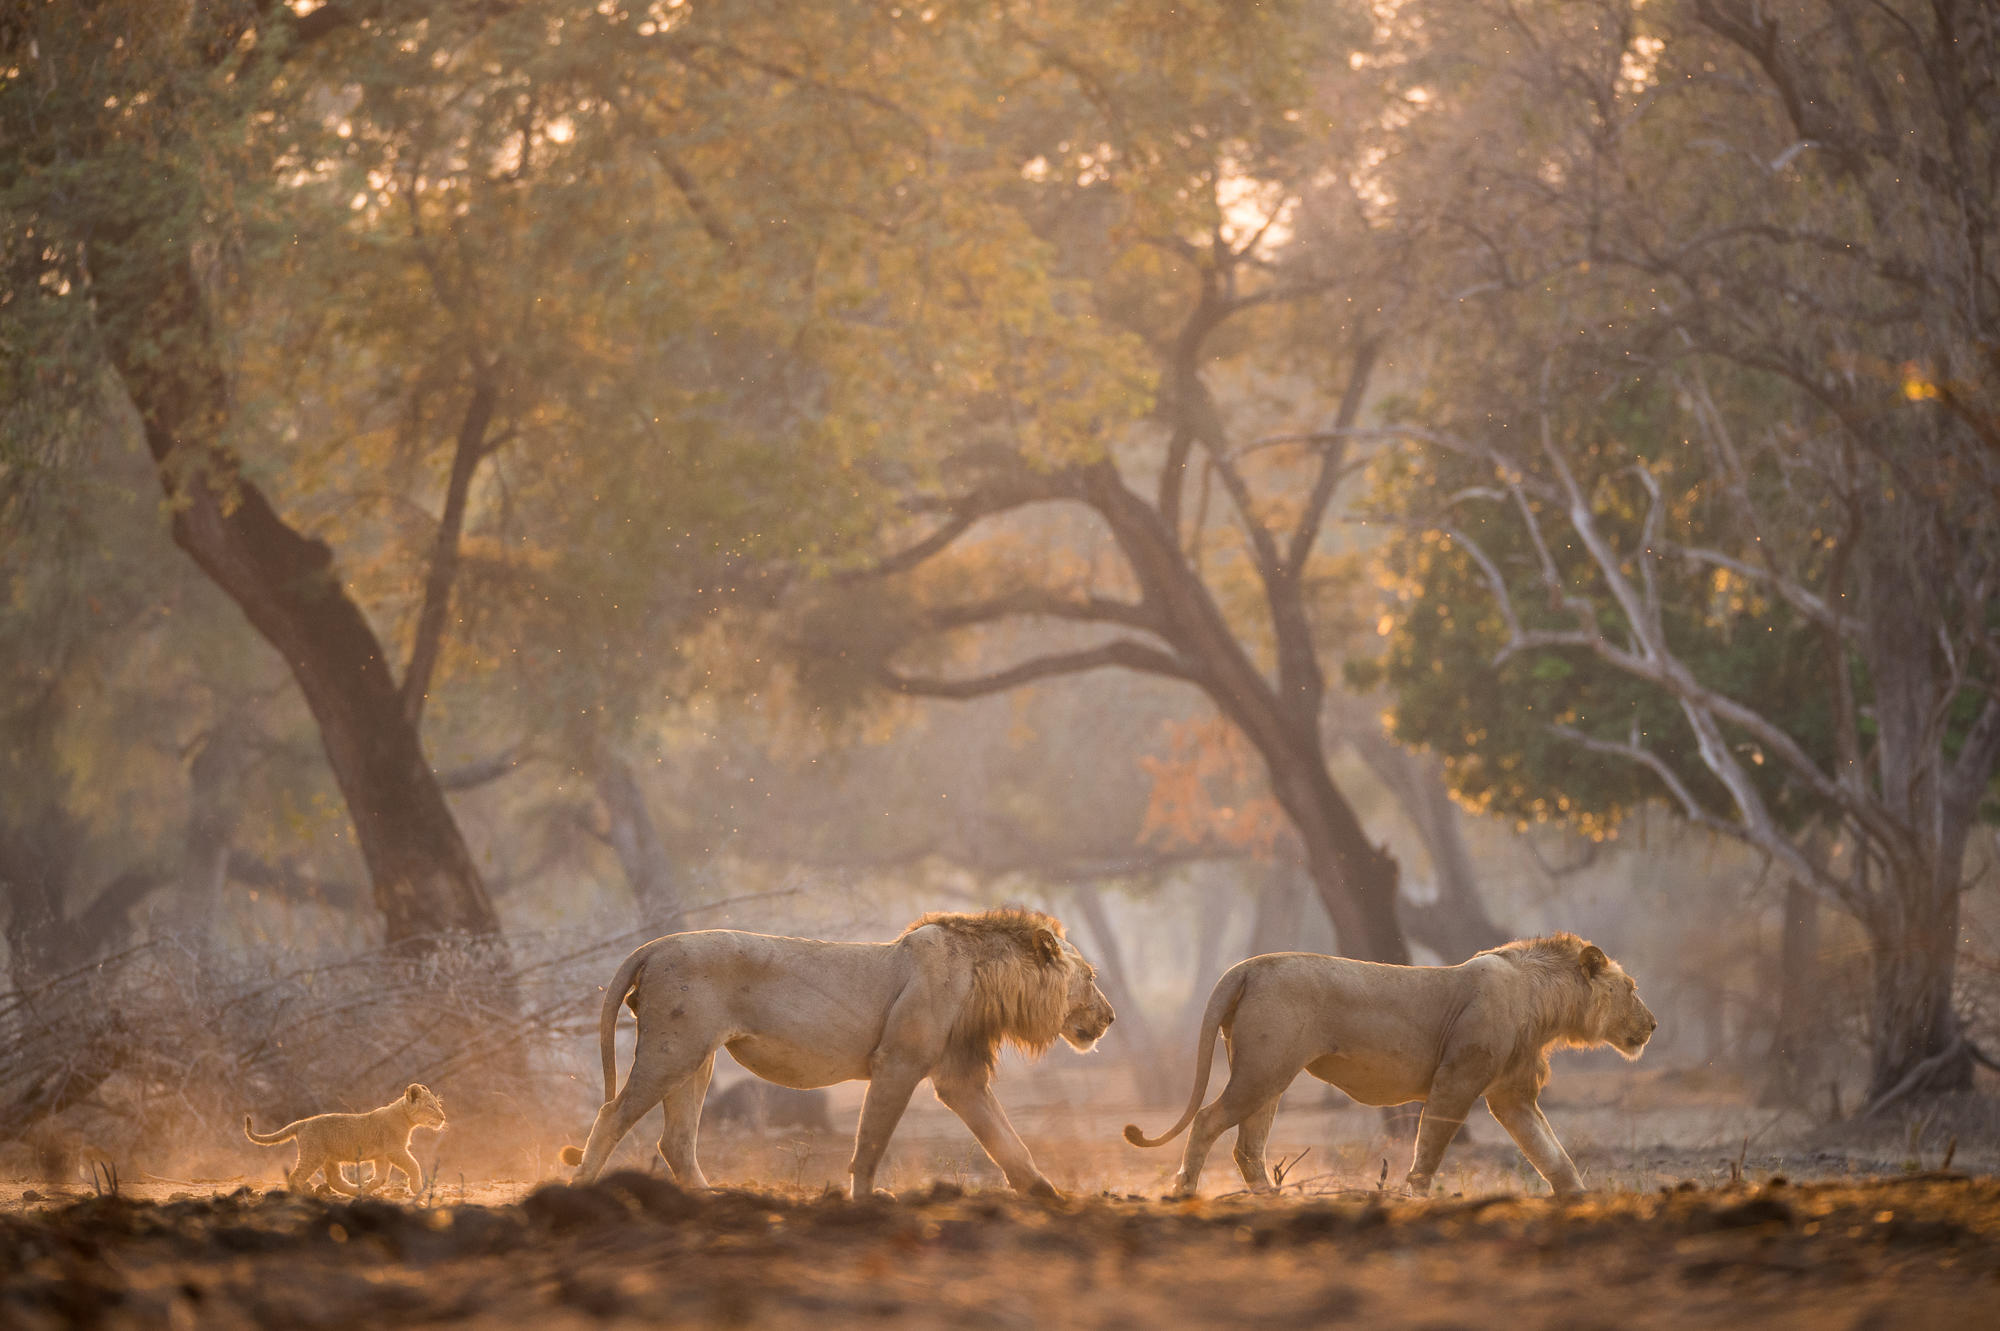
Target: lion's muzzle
1083,1033
1633,1042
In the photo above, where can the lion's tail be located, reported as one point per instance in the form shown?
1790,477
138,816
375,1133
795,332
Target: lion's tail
607,1016
279,1137
607,1030
1221,1006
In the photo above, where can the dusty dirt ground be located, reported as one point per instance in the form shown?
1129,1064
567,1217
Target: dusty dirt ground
1706,1214
1919,1251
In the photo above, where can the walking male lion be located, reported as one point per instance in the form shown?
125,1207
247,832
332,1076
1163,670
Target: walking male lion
938,1002
1387,1035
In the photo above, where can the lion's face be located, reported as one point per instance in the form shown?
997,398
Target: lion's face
1627,1022
426,1110
1089,1014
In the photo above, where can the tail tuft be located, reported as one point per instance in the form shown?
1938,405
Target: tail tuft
1136,1137
570,1156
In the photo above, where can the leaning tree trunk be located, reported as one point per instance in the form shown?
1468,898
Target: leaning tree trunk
425,882
1356,880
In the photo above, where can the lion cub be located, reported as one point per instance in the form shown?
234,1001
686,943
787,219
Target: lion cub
326,1141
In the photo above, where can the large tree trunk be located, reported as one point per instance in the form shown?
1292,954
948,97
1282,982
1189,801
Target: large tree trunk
1357,881
1918,1047
425,882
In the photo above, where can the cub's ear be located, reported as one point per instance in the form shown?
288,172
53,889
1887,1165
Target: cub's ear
1593,960
1048,948
416,1090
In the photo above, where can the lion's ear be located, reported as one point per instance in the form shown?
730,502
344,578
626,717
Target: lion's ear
1593,960
414,1092
1048,947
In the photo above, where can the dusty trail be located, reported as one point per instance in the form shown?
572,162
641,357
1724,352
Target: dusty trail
634,1250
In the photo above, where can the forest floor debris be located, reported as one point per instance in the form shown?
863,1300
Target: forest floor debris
1915,1250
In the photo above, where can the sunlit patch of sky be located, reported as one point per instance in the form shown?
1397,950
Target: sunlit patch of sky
1250,204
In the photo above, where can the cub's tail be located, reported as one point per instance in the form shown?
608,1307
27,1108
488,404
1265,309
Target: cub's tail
279,1137
570,1156
1221,1006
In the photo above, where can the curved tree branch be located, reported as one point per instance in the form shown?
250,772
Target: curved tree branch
1121,653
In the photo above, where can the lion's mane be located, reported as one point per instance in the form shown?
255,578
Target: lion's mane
1570,1008
1020,985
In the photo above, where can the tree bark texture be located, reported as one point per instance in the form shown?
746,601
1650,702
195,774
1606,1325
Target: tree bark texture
425,882
1356,879
1919,1048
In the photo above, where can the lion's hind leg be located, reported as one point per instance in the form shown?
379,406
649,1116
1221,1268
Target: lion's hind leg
1260,1068
1251,1136
656,1070
682,1112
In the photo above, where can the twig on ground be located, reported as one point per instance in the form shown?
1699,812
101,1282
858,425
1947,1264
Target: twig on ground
1285,1167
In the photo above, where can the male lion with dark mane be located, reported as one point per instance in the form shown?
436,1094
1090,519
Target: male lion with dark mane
938,1002
1387,1035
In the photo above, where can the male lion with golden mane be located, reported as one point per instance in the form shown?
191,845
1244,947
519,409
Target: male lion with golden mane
1387,1035
938,1002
